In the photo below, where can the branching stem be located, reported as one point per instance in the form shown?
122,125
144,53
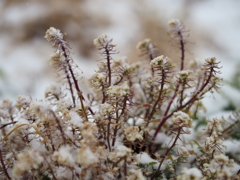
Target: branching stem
167,152
183,106
159,96
79,92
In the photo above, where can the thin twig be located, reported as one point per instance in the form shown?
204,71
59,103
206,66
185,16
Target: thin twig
3,166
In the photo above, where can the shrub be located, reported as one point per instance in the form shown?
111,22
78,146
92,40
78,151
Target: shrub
139,122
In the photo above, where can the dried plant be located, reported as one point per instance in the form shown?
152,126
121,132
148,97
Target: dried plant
133,125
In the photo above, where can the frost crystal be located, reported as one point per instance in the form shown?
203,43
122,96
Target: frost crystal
52,34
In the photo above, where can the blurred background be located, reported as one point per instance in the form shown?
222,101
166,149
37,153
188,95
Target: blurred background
214,31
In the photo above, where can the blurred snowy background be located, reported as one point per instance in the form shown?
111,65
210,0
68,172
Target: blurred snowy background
214,28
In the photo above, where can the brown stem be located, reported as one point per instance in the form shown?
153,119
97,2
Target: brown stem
4,167
108,133
52,173
103,94
70,86
118,118
125,167
4,125
109,67
181,96
159,96
120,159
182,50
91,111
59,125
79,92
167,152
182,107
124,106
116,127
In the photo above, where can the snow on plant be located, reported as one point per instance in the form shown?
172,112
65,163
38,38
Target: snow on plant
133,125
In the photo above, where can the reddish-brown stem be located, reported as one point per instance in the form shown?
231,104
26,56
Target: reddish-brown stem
181,97
183,106
116,163
59,125
109,133
125,167
70,86
151,58
150,100
115,133
167,152
103,94
52,172
124,106
159,96
116,127
4,125
3,166
182,50
91,111
109,67
118,118
70,69
79,92
170,103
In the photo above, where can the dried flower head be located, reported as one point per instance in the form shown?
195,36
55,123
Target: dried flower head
160,61
25,161
175,26
144,44
105,109
54,91
64,156
85,156
190,174
181,119
118,90
103,41
133,133
135,174
53,34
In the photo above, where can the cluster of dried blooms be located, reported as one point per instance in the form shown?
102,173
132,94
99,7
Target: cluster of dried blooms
137,123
